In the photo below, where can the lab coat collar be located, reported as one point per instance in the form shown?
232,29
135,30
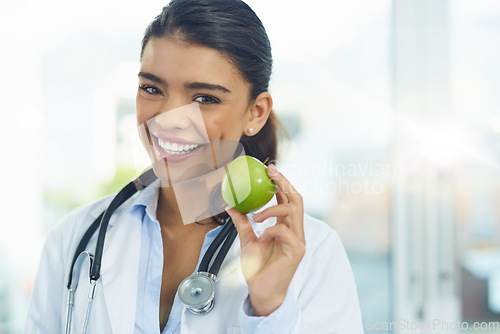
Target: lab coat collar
147,198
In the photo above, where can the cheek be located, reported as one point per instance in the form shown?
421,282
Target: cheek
227,127
142,111
139,111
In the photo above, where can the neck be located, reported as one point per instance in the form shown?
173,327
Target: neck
168,212
170,218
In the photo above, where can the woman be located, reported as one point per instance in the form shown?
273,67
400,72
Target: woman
203,85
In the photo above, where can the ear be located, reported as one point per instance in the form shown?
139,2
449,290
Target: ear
258,113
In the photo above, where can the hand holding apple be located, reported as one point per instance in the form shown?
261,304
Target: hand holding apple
269,262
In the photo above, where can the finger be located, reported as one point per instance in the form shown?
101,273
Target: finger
243,226
284,185
281,197
280,210
289,241
288,214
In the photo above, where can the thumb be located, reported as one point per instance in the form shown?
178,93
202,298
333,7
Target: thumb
243,226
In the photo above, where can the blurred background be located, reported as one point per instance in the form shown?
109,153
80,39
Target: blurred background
394,129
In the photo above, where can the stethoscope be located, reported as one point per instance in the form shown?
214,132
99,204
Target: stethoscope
196,292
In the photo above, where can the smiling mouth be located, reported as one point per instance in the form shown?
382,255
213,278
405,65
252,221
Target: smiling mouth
173,148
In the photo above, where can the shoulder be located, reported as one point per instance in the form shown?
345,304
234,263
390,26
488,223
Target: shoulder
325,256
319,235
324,247
78,218
64,236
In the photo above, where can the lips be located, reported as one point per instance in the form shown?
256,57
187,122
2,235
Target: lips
174,149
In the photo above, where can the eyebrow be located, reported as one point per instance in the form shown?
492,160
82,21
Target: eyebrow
191,85
205,85
152,77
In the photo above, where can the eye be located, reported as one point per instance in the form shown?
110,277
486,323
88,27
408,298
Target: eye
207,99
150,90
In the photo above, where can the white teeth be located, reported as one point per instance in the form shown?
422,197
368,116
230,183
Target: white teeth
174,148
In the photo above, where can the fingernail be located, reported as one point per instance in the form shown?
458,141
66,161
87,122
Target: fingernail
227,208
272,168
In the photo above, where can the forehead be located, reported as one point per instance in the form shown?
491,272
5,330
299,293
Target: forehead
175,59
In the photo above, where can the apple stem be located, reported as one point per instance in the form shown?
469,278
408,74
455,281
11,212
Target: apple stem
267,159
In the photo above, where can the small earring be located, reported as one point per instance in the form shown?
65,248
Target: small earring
250,130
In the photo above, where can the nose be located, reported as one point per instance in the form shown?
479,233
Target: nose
185,117
175,116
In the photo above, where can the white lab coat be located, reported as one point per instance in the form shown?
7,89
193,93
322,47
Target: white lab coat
322,291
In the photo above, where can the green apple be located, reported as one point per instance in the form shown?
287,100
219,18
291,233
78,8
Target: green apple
246,186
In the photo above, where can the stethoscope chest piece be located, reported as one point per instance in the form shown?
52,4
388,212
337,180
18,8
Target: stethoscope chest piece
197,292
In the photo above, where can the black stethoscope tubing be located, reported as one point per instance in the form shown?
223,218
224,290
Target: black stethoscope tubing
102,222
222,241
225,238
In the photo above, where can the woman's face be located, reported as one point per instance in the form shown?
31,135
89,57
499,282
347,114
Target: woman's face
193,103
